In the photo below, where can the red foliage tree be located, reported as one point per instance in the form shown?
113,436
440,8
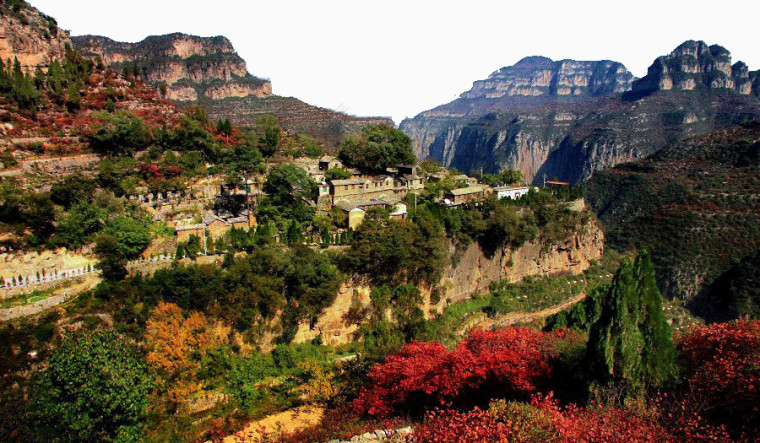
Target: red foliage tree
508,363
722,373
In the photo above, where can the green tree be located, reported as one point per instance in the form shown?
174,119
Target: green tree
132,235
111,259
270,133
377,147
337,173
72,189
291,191
121,133
631,343
82,222
95,388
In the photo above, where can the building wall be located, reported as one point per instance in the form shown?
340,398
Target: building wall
355,218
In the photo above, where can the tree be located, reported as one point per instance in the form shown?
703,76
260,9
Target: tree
172,339
72,189
290,191
132,236
82,222
121,133
337,173
111,259
631,342
377,148
95,389
269,129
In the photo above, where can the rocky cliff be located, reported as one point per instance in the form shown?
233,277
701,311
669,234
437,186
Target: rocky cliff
545,134
694,65
473,273
191,67
30,36
208,71
540,76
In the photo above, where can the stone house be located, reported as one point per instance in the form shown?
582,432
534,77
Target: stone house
458,196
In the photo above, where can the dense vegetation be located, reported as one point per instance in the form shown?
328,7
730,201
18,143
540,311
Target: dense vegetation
694,205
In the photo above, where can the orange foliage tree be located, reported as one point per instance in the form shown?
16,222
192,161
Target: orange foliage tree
173,340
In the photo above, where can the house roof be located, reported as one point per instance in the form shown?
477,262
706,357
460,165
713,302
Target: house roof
467,190
509,188
349,205
350,181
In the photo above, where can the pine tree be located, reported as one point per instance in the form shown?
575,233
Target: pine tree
631,344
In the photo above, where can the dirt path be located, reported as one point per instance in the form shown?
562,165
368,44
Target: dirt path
288,421
504,320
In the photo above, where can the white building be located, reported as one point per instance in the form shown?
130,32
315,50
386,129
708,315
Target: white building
513,192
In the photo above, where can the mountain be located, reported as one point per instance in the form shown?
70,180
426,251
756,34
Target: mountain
568,119
191,67
208,71
694,206
30,36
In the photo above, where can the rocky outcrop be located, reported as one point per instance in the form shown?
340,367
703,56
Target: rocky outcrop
540,76
545,134
473,273
191,67
207,71
694,65
30,36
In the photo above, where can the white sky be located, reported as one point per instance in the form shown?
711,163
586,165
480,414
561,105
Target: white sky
400,57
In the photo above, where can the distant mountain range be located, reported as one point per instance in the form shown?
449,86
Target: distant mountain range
567,119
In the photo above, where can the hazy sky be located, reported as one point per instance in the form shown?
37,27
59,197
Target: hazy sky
398,58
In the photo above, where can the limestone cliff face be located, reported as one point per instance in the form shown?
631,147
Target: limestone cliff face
30,36
694,65
474,273
208,71
518,118
191,67
540,76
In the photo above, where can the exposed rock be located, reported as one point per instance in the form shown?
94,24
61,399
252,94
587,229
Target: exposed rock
30,36
474,273
207,71
537,76
518,119
207,66
693,64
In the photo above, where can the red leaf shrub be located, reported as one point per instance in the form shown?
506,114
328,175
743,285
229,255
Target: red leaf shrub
722,372
544,421
507,363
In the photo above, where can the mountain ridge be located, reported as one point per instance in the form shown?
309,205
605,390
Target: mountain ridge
570,136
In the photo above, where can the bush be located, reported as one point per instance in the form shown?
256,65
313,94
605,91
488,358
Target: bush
510,363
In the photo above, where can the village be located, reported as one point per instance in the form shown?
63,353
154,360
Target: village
354,196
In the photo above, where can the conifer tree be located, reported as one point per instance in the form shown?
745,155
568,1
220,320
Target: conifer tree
631,343
658,355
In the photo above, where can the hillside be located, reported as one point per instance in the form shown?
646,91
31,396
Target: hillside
694,205
521,118
207,71
30,36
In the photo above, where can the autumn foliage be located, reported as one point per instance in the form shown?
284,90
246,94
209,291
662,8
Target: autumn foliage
722,372
509,363
173,340
543,420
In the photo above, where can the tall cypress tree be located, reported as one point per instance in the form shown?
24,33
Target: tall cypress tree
658,355
631,342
